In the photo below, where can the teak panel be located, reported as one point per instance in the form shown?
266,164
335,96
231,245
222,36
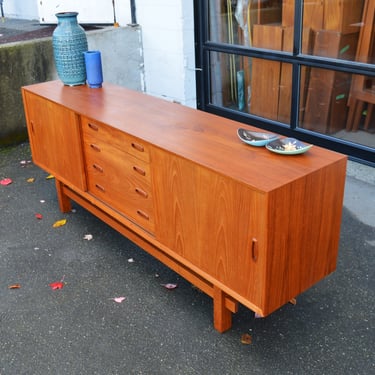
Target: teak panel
213,222
55,139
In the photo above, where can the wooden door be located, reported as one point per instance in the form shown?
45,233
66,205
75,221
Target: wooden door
55,139
212,221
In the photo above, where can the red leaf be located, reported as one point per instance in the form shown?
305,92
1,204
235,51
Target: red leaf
14,286
6,181
39,216
57,285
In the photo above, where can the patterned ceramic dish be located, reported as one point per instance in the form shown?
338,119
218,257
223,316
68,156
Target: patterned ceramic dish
288,146
256,138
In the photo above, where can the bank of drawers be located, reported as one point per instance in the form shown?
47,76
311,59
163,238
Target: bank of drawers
118,171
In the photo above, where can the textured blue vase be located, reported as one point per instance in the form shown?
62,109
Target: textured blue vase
69,42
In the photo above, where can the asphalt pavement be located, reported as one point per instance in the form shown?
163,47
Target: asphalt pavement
83,328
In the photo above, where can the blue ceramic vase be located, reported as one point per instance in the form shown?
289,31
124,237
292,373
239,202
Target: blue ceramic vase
69,42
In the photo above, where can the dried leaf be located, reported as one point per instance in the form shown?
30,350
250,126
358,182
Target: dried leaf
293,301
14,286
246,339
118,299
59,223
169,286
50,176
57,285
88,237
39,216
6,181
25,162
30,180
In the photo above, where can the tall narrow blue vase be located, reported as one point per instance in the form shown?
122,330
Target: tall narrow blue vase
94,70
69,42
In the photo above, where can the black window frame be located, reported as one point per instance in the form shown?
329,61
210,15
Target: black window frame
203,47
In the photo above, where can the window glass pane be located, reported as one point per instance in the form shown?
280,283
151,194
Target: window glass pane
340,29
257,86
341,105
248,22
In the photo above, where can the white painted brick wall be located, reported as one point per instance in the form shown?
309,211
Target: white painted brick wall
168,47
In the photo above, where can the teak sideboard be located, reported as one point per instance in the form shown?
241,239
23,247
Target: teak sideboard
241,223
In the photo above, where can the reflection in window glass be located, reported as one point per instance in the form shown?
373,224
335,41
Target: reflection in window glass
237,22
340,28
256,86
341,105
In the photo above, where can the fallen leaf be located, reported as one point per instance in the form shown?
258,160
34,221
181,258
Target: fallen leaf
25,162
87,237
169,286
59,223
57,285
30,180
118,299
50,176
14,286
246,339
293,301
6,181
39,216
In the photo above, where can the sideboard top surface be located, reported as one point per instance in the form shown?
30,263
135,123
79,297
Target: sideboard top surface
201,137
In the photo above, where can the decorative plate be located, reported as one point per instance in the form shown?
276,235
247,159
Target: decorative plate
288,146
256,138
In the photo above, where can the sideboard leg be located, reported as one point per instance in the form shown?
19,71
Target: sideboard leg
222,316
65,204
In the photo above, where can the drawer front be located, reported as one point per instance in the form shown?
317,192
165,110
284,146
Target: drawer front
118,178
98,154
115,138
122,191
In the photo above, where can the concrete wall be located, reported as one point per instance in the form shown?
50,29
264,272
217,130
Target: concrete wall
20,64
25,63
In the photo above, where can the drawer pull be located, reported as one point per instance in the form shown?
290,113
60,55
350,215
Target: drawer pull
138,147
254,249
143,214
141,192
139,170
93,126
95,147
98,168
100,187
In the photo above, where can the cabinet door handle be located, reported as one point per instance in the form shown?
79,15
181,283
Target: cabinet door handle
139,170
141,192
143,214
138,147
98,168
100,187
93,126
95,147
254,249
